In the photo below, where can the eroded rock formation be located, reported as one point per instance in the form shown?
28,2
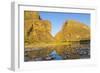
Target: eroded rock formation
73,31
36,29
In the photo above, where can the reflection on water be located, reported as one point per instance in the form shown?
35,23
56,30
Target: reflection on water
77,50
55,56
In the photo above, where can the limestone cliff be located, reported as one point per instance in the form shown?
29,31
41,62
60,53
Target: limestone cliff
73,31
36,29
29,15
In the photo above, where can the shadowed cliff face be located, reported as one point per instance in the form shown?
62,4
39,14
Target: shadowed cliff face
36,29
73,31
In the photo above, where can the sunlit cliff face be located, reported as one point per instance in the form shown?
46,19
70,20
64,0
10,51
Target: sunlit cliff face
38,30
31,15
41,25
73,31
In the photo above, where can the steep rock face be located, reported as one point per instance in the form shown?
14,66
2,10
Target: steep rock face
73,31
28,15
36,29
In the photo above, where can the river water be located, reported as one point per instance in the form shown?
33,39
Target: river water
76,51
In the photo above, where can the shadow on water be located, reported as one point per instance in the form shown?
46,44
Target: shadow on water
77,50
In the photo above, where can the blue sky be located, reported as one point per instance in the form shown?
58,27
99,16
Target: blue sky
57,19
